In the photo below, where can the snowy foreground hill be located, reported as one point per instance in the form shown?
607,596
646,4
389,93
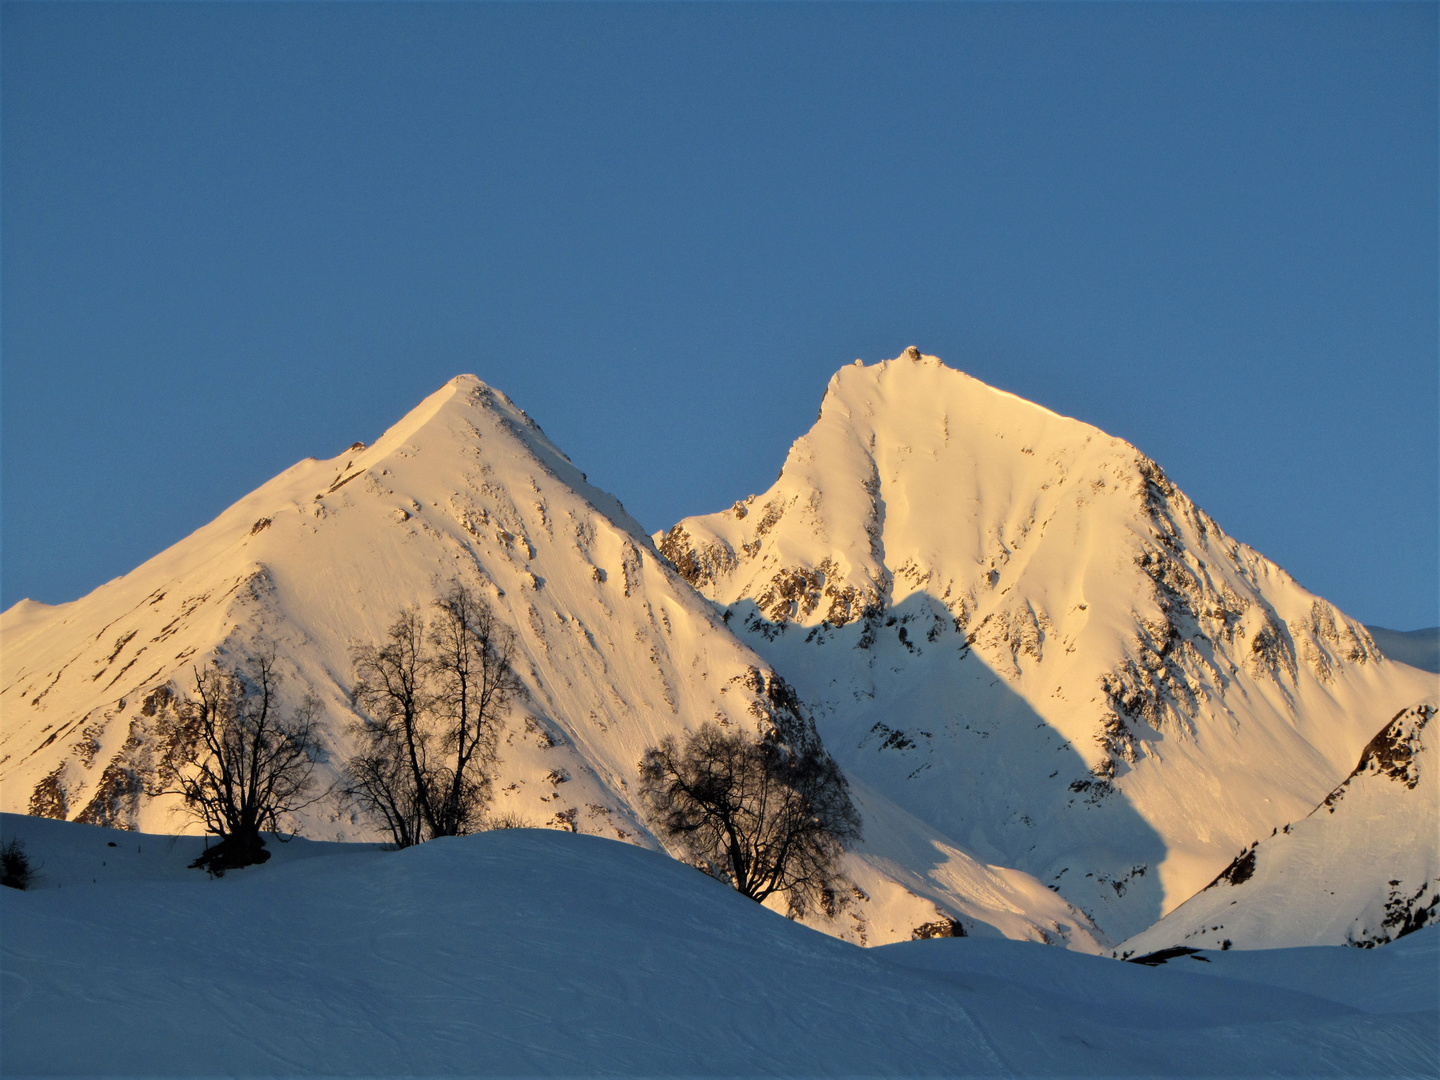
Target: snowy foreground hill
616,652
1018,629
540,953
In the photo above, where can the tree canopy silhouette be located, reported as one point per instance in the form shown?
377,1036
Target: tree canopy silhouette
762,814
242,764
435,697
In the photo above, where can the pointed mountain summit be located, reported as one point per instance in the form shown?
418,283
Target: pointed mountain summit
465,487
615,652
1016,628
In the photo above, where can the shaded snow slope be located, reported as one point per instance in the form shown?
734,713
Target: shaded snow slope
1019,630
616,650
541,953
1418,648
66,855
1362,868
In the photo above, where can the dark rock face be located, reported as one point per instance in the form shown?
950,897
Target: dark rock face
698,566
1241,870
1406,914
48,798
1395,749
941,928
116,802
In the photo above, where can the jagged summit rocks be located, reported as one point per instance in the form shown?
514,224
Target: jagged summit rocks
615,650
1017,628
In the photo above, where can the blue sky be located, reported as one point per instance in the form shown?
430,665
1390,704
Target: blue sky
238,235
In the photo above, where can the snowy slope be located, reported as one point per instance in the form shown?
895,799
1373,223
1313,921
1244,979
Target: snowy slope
616,649
544,954
1015,627
1362,868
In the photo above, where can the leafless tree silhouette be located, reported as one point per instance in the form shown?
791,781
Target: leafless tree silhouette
763,815
435,699
242,764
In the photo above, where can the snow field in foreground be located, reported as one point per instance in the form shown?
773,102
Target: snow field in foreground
534,952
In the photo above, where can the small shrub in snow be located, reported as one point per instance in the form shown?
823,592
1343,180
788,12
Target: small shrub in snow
15,870
510,819
567,819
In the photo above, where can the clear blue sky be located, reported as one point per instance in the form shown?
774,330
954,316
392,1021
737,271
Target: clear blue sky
238,235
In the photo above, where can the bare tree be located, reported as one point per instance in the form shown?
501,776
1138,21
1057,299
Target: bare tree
765,816
391,777
242,764
473,686
435,699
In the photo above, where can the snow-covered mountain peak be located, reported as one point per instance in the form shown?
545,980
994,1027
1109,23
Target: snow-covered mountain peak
1010,524
464,487
913,473
469,420
920,384
942,562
